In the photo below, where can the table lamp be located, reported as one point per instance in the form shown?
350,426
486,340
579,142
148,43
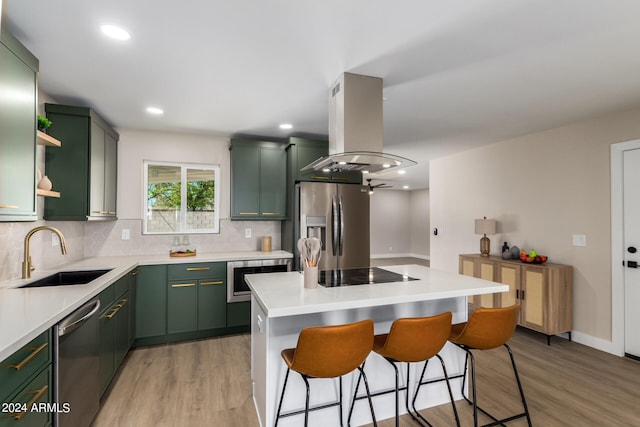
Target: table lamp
485,226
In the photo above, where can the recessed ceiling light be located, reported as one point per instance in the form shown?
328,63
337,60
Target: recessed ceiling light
386,166
402,172
406,187
155,111
286,126
365,171
115,32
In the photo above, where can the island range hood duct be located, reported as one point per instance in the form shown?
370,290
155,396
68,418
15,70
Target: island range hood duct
356,129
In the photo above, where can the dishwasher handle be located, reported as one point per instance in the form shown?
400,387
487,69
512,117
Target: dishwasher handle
72,322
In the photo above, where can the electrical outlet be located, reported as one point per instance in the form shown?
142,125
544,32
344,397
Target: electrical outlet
247,232
55,240
126,235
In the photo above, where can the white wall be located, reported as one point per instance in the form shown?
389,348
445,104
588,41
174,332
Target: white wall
420,220
134,147
399,223
541,188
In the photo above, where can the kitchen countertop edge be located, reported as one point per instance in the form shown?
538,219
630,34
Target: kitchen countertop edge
283,294
27,312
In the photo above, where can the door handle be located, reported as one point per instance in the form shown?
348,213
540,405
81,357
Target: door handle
341,213
334,225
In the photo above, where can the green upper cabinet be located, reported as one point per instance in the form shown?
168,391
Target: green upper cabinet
258,180
18,112
84,168
301,152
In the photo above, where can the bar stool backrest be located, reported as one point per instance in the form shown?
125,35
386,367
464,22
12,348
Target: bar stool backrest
417,339
333,351
488,328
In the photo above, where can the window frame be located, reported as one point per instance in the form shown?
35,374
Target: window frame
184,166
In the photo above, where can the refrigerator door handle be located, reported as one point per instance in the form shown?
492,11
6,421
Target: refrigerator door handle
335,217
341,214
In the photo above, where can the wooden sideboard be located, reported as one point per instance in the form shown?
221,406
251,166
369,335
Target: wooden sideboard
544,291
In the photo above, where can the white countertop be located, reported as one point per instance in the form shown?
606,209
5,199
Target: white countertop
26,313
283,294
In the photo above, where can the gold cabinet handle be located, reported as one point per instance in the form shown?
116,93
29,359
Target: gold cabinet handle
248,213
30,357
38,394
183,285
319,177
110,315
217,282
271,213
5,206
122,302
197,268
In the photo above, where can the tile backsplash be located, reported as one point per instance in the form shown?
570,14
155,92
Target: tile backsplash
93,238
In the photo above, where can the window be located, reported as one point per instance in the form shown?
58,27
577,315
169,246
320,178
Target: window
181,198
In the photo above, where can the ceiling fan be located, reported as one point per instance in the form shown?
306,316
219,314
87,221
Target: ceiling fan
372,187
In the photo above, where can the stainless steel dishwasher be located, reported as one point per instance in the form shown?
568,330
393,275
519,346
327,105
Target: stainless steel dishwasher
76,374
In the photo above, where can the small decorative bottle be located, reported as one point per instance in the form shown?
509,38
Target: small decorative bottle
506,253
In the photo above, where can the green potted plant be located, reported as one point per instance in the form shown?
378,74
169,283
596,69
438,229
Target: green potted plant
43,123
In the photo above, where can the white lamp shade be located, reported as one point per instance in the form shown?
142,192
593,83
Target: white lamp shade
485,226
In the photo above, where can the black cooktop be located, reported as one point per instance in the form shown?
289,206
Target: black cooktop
359,276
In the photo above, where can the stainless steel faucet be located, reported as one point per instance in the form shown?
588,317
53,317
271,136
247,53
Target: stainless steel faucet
27,268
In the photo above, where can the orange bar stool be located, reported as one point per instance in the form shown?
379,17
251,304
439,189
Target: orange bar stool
328,352
414,340
486,329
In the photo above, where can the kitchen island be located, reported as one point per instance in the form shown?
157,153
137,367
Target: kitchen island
281,307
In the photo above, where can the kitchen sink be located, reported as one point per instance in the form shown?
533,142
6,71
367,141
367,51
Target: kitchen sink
63,278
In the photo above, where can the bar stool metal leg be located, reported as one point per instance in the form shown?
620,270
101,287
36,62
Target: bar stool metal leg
362,376
474,400
421,383
284,387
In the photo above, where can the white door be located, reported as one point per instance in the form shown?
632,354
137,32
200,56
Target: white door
631,223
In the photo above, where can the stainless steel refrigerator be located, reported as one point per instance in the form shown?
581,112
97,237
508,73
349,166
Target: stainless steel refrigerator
337,214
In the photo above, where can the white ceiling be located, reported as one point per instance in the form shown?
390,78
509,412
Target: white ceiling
457,73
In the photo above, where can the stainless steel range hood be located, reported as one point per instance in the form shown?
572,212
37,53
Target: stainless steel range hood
356,128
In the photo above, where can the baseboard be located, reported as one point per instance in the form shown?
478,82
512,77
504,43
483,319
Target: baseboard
597,343
407,255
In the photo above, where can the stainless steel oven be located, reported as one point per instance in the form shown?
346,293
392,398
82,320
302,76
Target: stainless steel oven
237,289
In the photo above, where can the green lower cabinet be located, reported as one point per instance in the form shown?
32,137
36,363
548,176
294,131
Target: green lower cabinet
107,344
212,304
21,410
185,301
114,330
26,380
182,300
196,305
239,313
151,301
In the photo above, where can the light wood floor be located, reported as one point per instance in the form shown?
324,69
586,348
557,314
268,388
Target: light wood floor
207,383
